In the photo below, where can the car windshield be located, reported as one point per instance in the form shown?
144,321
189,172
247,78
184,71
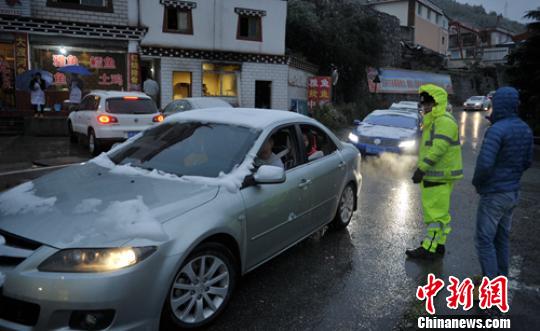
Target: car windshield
191,149
391,120
476,98
131,105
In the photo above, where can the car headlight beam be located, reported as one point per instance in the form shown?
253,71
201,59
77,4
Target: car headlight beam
407,144
353,137
95,259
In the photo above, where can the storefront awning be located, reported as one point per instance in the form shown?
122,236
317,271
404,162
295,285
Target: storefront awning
401,81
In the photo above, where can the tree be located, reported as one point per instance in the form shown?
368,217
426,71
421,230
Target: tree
338,32
524,72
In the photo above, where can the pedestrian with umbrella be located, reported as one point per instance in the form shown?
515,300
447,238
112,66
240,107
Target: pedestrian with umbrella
36,81
37,88
75,84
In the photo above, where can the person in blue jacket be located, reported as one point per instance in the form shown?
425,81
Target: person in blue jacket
505,154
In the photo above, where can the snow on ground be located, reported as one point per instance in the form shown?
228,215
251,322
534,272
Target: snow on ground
87,206
22,199
129,219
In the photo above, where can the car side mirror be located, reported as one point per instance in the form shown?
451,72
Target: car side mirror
315,156
267,174
357,122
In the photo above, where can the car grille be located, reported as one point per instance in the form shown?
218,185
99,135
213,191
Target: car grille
385,142
17,242
18,311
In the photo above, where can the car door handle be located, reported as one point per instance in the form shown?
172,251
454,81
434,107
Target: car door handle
341,165
304,183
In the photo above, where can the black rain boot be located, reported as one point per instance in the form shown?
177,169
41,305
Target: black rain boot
421,253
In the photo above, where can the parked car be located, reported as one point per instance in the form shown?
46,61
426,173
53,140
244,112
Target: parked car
107,117
478,102
181,105
155,233
387,130
406,105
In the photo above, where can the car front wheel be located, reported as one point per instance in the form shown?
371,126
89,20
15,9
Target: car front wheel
345,208
201,289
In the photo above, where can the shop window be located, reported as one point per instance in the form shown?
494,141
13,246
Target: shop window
181,84
429,14
178,20
91,5
420,10
219,80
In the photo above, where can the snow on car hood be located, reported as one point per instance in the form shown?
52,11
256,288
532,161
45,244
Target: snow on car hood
90,206
380,131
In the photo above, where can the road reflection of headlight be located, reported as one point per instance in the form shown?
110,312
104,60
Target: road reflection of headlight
402,200
353,137
476,125
407,144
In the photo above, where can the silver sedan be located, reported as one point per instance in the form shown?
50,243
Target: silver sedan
156,233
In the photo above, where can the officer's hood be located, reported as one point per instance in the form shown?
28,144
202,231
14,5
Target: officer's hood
505,104
441,98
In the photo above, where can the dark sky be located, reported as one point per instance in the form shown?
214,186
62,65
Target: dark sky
515,9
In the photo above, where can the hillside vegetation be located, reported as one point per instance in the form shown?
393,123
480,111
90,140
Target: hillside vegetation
477,15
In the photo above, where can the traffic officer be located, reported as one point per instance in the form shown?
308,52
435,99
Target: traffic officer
439,166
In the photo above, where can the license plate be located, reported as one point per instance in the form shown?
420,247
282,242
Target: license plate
132,133
372,150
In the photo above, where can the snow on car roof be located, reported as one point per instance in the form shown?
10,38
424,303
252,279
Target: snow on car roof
394,112
119,94
208,102
250,117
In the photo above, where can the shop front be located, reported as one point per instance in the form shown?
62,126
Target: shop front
108,70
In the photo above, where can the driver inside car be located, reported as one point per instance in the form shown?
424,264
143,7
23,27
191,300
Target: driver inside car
266,156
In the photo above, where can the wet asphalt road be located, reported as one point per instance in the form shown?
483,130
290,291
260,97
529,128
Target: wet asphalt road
359,279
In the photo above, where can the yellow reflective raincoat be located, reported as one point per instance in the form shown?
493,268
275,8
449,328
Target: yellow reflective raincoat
440,159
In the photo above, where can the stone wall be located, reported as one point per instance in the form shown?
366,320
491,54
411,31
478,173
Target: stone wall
119,15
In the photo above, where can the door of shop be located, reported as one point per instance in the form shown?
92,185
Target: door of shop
263,94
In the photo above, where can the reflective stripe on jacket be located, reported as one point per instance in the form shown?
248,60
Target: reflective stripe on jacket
440,148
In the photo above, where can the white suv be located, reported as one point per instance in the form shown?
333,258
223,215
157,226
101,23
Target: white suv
106,117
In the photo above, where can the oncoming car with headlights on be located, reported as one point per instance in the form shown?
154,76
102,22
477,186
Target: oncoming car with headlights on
155,233
390,130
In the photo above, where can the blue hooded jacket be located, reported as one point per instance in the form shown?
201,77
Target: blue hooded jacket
507,148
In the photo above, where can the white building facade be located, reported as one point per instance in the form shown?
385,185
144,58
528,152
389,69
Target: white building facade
231,49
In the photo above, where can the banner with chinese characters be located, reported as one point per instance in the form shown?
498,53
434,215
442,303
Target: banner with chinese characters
21,53
319,91
108,68
401,81
134,72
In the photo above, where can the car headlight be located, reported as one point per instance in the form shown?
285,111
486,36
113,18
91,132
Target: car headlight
95,259
353,137
407,144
